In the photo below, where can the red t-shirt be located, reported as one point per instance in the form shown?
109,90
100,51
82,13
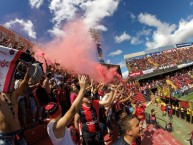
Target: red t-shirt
61,96
163,108
170,111
73,97
140,111
96,106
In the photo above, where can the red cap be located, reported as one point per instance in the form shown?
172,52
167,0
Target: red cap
53,109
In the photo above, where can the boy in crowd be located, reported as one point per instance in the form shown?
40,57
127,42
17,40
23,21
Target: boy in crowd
57,128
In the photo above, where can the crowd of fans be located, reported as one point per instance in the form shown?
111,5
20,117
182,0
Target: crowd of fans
81,108
10,42
98,106
164,59
178,82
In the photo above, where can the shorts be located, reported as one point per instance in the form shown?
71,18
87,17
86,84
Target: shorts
96,139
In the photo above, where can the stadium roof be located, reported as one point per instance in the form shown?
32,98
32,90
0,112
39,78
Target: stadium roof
134,54
149,51
159,49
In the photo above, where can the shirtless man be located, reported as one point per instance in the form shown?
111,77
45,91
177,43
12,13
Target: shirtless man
10,129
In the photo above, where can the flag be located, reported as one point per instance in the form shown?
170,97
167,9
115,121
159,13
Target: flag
8,62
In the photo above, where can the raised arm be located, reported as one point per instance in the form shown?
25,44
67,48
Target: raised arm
90,86
126,99
67,118
23,84
107,102
46,65
149,103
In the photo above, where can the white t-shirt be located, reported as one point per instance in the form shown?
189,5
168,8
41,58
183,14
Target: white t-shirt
66,140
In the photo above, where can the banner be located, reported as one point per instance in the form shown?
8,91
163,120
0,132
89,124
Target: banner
135,74
169,51
8,58
148,71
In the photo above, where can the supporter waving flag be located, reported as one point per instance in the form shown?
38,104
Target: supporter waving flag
9,59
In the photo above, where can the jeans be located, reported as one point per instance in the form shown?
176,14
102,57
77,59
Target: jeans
22,112
11,141
103,128
8,141
33,105
10,138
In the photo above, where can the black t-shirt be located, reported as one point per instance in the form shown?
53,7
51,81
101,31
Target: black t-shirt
121,141
102,116
42,95
88,119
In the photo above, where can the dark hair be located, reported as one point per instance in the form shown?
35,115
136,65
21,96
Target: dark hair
125,124
119,113
61,85
87,94
49,74
27,51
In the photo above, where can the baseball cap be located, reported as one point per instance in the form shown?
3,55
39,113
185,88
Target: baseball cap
53,109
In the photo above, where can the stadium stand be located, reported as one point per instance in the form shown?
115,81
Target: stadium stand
165,60
145,82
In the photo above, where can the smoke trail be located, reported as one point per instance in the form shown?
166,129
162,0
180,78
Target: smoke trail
77,51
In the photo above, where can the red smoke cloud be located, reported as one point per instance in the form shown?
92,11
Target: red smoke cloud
77,51
1,75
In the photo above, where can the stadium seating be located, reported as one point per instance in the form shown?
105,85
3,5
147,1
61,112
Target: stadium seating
165,58
159,137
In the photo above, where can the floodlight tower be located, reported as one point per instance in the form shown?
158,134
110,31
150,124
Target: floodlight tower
95,34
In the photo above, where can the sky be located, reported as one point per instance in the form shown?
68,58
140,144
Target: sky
125,26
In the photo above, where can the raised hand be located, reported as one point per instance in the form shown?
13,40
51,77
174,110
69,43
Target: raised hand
92,81
82,81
